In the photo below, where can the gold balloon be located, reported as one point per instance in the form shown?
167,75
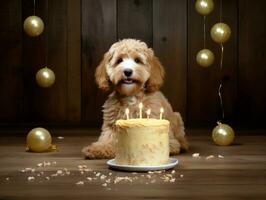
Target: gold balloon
204,7
33,26
205,58
220,32
223,134
45,77
39,140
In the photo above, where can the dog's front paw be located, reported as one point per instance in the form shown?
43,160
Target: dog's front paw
98,150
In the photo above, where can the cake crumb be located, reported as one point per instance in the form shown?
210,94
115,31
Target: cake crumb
102,177
159,171
54,175
39,164
89,178
110,173
104,184
80,183
60,137
172,180
7,178
46,163
119,178
148,176
59,172
27,169
220,156
173,171
31,178
47,178
181,175
195,155
209,157
98,174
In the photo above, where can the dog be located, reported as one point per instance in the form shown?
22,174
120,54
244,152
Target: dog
134,74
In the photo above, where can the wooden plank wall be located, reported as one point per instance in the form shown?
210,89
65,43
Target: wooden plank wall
80,31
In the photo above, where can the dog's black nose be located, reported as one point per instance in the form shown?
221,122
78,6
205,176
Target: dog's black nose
128,72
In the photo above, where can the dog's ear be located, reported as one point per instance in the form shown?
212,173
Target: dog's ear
101,76
157,73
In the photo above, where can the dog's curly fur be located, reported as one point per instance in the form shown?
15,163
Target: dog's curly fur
142,84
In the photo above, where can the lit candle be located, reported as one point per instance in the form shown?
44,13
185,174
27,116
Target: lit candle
161,113
148,112
140,110
127,113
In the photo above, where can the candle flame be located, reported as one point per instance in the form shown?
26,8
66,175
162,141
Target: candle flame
127,111
161,110
140,105
148,111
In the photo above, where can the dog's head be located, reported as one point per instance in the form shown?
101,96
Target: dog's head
130,66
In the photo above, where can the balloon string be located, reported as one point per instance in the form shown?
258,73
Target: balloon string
221,83
47,34
221,99
221,9
222,56
204,31
33,7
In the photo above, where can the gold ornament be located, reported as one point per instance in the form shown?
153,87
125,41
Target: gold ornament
220,32
223,134
205,58
45,77
204,7
33,26
39,140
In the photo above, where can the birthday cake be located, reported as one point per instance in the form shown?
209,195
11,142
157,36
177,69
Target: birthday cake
142,142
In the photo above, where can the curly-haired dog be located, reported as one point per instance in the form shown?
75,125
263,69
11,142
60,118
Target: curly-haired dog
135,75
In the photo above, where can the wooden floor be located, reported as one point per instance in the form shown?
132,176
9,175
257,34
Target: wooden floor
238,173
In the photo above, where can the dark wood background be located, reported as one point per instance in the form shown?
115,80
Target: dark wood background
79,32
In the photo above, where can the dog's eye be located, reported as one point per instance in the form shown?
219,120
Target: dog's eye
137,60
119,61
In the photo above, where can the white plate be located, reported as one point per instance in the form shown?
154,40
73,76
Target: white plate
171,163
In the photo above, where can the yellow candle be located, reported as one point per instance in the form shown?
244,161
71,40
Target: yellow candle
140,110
148,112
161,113
127,113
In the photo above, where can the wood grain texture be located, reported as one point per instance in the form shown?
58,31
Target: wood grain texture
98,34
134,20
74,61
170,45
252,69
241,174
11,79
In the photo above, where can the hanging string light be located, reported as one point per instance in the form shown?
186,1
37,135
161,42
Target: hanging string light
33,25
222,134
45,77
204,57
